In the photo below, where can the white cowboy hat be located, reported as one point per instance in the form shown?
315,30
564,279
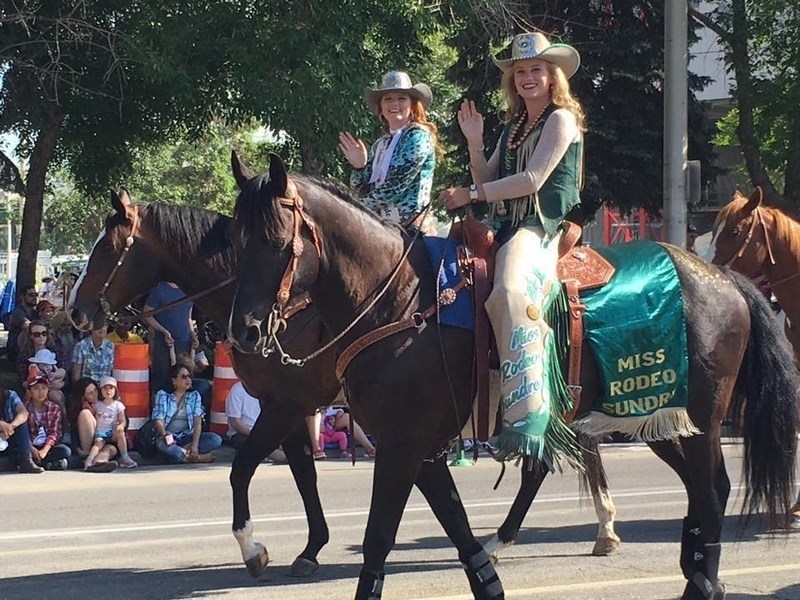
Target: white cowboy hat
44,357
397,81
536,45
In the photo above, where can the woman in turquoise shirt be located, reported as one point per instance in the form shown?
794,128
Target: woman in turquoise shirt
394,178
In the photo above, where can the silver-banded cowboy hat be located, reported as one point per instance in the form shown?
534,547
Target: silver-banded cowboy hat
397,81
536,45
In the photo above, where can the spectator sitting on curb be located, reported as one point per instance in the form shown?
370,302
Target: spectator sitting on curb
93,356
178,413
242,411
342,422
44,423
110,427
14,433
85,396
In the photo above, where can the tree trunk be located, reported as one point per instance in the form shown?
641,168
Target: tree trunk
311,164
40,159
745,130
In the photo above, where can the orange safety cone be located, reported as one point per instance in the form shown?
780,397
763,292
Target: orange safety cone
131,370
224,379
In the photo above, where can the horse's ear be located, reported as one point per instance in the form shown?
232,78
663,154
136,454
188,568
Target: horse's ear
755,199
240,172
278,177
121,203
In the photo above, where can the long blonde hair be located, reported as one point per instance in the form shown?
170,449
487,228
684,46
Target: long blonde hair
420,117
560,95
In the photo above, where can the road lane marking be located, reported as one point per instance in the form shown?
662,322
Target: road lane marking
612,583
300,516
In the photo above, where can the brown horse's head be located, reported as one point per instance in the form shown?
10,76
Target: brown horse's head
116,240
739,235
274,248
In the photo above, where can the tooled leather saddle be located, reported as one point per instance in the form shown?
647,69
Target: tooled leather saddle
579,268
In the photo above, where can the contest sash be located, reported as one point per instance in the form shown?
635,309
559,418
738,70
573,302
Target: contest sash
636,328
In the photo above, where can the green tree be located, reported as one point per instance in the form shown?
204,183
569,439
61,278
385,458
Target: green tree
189,171
85,82
87,85
762,46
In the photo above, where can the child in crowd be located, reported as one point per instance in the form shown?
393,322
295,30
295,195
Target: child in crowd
44,362
110,416
329,433
44,424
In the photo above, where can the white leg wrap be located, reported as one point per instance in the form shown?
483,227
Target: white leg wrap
494,547
244,536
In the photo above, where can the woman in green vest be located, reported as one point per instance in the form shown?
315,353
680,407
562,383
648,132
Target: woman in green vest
530,182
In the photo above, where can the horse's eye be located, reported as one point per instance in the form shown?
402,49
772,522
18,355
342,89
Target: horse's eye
736,231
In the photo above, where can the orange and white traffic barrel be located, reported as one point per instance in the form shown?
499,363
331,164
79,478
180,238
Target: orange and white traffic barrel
224,379
131,370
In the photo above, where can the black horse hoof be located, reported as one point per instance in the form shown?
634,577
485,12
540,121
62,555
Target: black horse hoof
303,567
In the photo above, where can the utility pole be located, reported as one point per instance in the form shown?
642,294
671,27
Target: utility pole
676,94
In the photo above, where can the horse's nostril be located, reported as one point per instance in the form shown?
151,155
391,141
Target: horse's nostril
252,335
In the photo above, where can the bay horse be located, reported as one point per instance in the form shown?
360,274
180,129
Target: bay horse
412,390
191,247
761,241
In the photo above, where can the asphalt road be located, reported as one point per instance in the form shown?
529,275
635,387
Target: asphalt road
163,533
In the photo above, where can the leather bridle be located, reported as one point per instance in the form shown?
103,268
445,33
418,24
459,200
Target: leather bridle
277,318
758,219
105,305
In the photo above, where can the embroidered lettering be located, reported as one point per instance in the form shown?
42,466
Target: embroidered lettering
510,369
522,337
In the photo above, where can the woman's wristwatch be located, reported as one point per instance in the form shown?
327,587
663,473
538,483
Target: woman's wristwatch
473,193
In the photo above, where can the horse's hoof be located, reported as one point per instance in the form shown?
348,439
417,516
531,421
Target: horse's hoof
303,567
257,564
605,546
704,591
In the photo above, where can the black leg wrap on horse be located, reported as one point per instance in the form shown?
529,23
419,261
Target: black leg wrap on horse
370,585
482,577
691,542
704,582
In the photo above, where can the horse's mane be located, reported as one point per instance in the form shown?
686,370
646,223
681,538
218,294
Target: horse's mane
252,215
787,230
194,233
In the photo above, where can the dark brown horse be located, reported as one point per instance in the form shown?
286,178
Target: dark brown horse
413,389
192,248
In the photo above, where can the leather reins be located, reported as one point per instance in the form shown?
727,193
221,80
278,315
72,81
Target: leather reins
277,319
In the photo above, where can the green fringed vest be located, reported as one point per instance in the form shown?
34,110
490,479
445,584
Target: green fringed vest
559,194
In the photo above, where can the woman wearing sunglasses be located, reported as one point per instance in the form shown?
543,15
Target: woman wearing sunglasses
178,416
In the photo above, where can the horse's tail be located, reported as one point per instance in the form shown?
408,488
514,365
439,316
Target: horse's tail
767,389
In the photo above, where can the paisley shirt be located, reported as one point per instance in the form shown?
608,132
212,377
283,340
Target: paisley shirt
407,187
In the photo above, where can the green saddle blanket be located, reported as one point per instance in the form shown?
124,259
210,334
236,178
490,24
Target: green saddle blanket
636,329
